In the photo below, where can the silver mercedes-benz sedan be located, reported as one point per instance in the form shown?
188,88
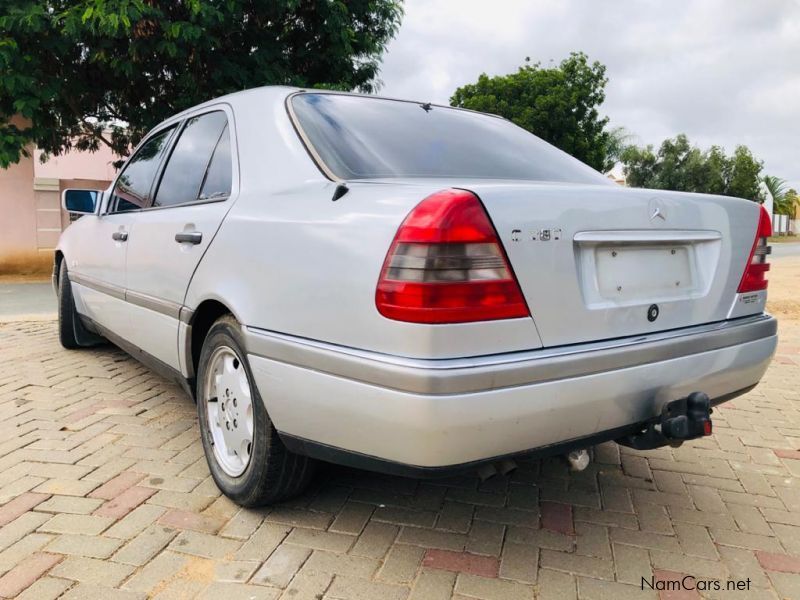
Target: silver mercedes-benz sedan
409,288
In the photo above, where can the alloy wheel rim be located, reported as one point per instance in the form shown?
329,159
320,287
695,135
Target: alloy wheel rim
229,408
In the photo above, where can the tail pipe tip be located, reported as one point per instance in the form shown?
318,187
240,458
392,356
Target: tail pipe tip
503,467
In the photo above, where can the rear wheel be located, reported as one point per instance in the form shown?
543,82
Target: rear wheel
247,458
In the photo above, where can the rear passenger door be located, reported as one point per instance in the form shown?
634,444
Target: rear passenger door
192,194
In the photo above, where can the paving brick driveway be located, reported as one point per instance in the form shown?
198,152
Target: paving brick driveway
104,492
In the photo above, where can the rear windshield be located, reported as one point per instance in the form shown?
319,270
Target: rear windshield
359,137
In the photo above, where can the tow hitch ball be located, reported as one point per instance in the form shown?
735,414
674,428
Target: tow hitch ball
684,419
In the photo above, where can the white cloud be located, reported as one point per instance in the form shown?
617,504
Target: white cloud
724,72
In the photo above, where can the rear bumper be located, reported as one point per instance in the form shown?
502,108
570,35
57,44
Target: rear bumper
327,399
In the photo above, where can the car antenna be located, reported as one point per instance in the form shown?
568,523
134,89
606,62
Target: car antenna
340,191
426,107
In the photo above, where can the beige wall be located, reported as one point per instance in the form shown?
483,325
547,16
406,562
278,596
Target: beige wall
96,166
31,218
17,215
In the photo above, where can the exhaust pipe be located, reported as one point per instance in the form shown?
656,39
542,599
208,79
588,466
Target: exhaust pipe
506,466
486,471
489,470
578,460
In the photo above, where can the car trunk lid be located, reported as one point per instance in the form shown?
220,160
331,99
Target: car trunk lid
600,262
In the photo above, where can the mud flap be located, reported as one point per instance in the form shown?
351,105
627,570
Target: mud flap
83,335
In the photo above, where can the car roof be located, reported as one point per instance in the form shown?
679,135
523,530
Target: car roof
235,97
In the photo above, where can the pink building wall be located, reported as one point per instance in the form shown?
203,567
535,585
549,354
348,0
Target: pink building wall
31,218
77,165
17,213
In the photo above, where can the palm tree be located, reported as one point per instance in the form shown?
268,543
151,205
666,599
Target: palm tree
793,198
781,202
617,141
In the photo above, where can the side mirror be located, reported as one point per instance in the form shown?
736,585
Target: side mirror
80,202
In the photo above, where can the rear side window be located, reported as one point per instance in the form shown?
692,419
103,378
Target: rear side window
217,182
359,137
191,159
132,190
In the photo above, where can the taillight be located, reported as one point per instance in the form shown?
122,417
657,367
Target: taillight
446,265
755,272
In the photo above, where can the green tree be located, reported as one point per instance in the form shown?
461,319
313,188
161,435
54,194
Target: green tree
744,176
680,166
716,180
91,72
639,166
559,104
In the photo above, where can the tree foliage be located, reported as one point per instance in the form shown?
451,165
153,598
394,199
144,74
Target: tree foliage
784,200
80,70
559,104
792,203
677,165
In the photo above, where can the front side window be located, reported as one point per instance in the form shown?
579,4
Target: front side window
362,137
191,161
132,190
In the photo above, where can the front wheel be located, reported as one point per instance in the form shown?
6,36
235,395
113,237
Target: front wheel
68,319
247,458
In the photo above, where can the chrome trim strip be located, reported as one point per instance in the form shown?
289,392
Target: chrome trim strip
178,205
647,236
165,307
464,375
99,286
312,151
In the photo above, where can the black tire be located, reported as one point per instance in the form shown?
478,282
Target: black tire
67,315
273,473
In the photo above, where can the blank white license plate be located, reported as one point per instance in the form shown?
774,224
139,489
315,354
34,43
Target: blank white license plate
640,272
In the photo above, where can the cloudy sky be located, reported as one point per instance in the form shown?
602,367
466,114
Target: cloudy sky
724,72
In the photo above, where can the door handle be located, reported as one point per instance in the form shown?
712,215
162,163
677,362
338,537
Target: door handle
189,237
120,236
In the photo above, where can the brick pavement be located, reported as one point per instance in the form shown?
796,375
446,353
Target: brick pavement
104,492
